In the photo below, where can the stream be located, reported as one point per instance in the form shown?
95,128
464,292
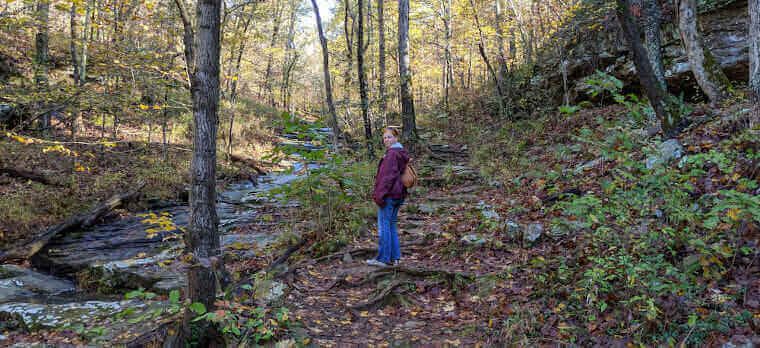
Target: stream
79,279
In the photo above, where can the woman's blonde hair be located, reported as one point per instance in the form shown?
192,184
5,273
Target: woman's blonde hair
393,131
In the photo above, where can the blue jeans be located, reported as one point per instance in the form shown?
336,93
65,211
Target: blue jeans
388,249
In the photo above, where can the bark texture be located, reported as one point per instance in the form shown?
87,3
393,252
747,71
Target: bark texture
664,104
363,79
202,236
706,69
41,58
754,49
405,73
381,62
653,40
326,71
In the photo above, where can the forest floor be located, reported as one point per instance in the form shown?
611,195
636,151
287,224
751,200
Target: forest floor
573,242
537,261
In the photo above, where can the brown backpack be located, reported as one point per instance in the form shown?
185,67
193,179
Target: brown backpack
409,176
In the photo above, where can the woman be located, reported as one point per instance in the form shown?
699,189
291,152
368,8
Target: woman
389,193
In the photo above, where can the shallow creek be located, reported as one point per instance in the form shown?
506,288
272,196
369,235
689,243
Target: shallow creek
74,274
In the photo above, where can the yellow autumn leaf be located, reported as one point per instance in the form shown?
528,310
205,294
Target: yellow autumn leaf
733,213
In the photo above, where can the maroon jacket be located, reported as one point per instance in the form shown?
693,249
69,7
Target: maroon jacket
388,180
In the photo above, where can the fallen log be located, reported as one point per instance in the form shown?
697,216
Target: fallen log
30,175
30,247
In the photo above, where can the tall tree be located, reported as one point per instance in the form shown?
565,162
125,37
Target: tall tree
279,5
482,50
706,69
291,56
349,35
72,42
83,58
381,62
654,45
447,65
405,73
41,54
754,53
202,236
663,103
363,79
326,72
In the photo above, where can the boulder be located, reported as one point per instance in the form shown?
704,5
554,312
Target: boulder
511,229
18,284
532,233
667,151
565,227
724,27
474,239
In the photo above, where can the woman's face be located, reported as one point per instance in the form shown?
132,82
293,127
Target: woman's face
389,139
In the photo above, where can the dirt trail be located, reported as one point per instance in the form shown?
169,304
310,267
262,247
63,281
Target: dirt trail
440,294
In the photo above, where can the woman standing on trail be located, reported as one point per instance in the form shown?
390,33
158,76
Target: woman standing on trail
389,193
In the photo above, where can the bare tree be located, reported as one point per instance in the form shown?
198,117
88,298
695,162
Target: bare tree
41,54
482,50
270,58
349,35
381,61
663,103
326,71
202,236
706,69
405,73
363,79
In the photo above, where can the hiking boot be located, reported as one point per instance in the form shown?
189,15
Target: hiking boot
375,262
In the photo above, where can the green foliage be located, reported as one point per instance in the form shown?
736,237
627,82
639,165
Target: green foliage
333,192
651,239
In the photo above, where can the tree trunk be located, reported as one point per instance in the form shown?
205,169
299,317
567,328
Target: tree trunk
326,71
75,70
405,73
83,62
202,236
72,43
363,80
233,88
663,103
654,46
754,50
706,69
349,35
381,62
41,56
481,49
447,69
270,57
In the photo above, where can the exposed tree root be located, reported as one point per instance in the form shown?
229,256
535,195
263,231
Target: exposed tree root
361,251
284,257
429,272
384,293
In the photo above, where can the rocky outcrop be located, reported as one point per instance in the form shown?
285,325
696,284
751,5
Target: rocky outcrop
723,24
